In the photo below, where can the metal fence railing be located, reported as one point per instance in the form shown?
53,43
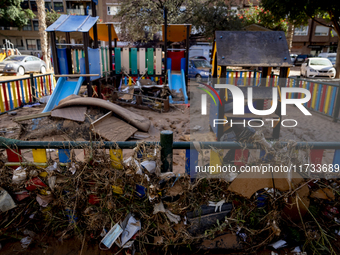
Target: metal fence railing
16,93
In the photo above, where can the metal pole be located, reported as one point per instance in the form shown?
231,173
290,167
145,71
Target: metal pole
95,34
87,64
165,40
337,107
110,45
34,99
166,150
54,53
68,50
187,56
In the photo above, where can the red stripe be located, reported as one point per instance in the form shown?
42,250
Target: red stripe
323,98
49,82
311,92
213,90
18,91
160,81
273,82
316,157
29,90
5,96
241,156
42,86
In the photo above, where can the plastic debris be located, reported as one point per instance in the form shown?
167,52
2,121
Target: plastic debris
51,182
111,236
172,217
44,99
296,250
21,195
218,205
6,201
34,184
279,244
44,200
158,208
26,241
131,226
73,168
52,168
19,175
150,166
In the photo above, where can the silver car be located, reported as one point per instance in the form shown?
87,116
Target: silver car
22,64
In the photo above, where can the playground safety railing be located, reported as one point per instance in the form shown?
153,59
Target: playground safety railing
18,92
14,147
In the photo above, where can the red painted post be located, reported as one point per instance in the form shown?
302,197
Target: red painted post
42,86
29,90
18,91
14,155
49,82
241,156
323,98
5,96
249,78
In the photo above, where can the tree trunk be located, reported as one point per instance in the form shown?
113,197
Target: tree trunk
42,32
337,61
290,34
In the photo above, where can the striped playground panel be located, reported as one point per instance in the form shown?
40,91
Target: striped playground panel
19,92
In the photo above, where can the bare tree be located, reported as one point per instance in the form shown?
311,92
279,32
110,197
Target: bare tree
42,32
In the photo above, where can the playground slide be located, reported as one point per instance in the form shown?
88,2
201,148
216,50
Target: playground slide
177,87
64,88
2,56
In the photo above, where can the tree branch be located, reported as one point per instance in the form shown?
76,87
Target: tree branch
331,26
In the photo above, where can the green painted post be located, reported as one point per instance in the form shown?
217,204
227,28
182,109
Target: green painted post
103,60
118,60
133,61
77,60
150,61
166,150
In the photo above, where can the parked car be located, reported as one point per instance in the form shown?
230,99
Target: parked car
301,58
199,69
293,57
22,64
326,55
313,67
333,60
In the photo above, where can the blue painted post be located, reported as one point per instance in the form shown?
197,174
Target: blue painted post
254,77
336,158
331,108
10,95
64,156
45,85
318,98
22,92
36,88
228,77
191,161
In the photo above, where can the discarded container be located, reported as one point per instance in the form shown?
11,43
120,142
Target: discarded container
19,175
130,227
118,190
111,236
6,201
140,190
150,166
21,195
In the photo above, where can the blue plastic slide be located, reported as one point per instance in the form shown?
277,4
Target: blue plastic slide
65,87
177,88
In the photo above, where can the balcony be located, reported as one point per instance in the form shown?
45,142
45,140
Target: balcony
78,12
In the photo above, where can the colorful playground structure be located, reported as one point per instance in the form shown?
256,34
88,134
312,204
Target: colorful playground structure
8,50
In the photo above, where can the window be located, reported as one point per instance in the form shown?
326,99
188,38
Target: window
24,5
36,25
28,27
112,10
58,7
48,6
301,30
19,44
34,6
321,31
30,44
334,33
38,44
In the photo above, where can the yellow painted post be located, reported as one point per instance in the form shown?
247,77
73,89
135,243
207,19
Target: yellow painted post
130,82
15,99
314,95
1,101
328,99
47,85
156,79
231,77
267,81
39,87
39,156
215,159
27,99
117,158
245,79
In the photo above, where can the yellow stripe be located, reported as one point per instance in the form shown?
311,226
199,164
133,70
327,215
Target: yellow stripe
130,82
231,78
39,89
245,79
215,159
304,84
117,158
328,99
1,101
39,155
314,95
267,81
47,85
15,100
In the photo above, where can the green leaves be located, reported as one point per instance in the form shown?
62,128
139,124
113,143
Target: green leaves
12,15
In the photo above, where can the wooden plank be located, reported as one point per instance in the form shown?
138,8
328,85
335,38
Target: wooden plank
158,61
134,70
141,61
112,128
76,113
33,116
125,61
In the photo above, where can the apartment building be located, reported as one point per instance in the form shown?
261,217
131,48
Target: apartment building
27,39
314,39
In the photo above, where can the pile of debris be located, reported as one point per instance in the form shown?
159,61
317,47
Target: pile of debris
129,204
